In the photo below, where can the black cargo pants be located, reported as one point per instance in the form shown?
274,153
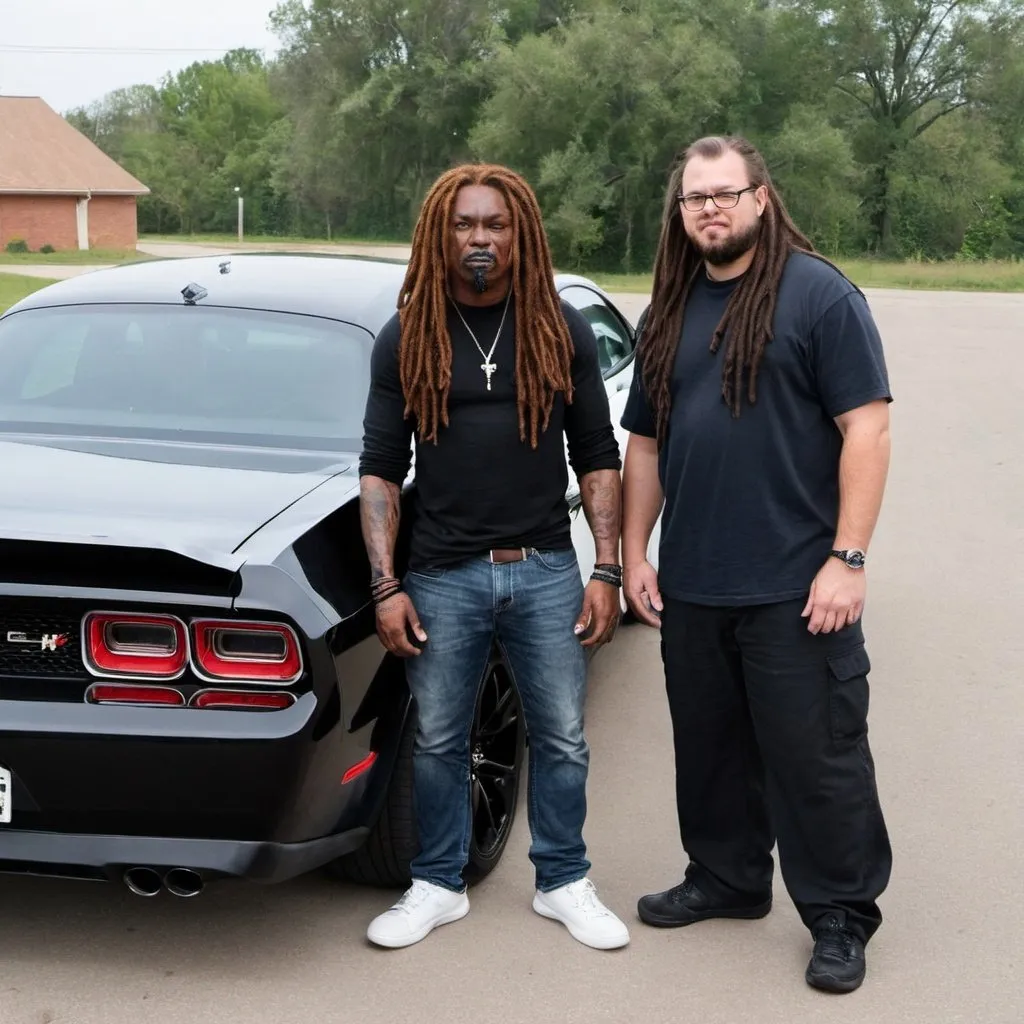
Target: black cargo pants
770,733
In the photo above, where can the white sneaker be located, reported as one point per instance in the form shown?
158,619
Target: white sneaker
578,907
421,909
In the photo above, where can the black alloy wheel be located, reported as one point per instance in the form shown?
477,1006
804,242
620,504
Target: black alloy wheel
497,747
497,751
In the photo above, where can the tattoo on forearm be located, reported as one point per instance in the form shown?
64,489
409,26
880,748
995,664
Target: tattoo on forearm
602,504
379,513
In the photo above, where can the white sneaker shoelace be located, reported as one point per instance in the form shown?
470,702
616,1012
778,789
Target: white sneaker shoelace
413,898
584,892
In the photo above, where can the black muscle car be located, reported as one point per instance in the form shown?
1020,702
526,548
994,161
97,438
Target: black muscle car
191,686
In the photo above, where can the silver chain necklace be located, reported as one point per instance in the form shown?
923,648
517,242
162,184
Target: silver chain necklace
487,366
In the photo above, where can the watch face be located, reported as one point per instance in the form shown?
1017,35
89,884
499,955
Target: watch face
855,559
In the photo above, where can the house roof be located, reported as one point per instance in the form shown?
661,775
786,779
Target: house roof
41,152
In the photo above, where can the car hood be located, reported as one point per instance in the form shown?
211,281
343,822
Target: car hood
198,500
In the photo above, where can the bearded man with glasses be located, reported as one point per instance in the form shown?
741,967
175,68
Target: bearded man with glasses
759,421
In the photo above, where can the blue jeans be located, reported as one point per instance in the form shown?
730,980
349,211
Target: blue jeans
529,608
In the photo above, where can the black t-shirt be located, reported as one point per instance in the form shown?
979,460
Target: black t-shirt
480,487
751,503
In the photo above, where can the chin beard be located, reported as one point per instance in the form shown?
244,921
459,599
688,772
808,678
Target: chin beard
480,264
720,254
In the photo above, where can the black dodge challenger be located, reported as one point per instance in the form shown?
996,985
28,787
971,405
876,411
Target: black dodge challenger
191,686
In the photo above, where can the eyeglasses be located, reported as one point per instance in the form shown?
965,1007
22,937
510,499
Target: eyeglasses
696,201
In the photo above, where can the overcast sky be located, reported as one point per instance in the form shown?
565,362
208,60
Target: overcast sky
72,52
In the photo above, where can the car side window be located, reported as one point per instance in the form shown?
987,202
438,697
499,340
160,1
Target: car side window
613,338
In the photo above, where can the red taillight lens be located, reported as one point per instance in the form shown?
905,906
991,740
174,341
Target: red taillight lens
242,699
246,651
136,645
118,693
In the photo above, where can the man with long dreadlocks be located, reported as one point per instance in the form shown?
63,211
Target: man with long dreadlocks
495,375
769,505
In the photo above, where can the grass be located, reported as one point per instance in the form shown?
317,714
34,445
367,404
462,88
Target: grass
71,257
14,287
953,275
621,282
993,276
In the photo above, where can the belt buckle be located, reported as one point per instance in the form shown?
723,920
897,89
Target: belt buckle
523,556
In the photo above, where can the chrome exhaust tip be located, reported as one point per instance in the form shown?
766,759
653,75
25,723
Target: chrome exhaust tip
183,882
142,881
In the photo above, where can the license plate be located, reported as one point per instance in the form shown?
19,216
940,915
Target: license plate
5,797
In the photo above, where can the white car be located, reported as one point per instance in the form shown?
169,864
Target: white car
616,340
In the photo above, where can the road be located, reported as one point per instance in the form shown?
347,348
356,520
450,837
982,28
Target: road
943,628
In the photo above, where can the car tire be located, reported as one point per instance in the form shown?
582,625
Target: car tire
499,707
497,751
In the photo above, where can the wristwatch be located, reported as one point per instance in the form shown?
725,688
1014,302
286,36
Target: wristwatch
853,557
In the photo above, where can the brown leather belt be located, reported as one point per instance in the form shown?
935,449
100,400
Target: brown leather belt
499,556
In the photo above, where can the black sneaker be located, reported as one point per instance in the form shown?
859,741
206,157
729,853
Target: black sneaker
837,963
685,904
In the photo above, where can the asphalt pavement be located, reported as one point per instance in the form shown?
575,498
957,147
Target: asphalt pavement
943,629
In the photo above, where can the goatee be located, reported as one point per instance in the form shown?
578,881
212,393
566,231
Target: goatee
480,262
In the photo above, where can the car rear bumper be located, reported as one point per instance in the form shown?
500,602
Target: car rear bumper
108,858
96,791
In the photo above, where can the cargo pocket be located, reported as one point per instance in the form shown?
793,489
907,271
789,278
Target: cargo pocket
848,693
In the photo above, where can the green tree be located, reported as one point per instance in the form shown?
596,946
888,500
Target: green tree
892,126
118,117
904,64
382,94
593,113
948,187
218,114
812,164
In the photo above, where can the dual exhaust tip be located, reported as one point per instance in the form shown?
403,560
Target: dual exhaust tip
183,882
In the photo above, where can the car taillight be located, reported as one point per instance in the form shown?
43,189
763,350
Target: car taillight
135,645
246,651
242,699
121,693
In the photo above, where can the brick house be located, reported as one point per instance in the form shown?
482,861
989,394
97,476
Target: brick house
57,187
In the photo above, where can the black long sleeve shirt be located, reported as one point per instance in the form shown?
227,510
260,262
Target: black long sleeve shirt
481,487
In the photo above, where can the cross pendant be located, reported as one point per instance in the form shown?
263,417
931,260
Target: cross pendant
488,368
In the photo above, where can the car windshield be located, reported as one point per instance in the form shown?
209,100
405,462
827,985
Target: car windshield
157,372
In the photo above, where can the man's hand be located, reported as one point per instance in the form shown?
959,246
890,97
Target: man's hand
394,616
600,613
640,583
836,599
